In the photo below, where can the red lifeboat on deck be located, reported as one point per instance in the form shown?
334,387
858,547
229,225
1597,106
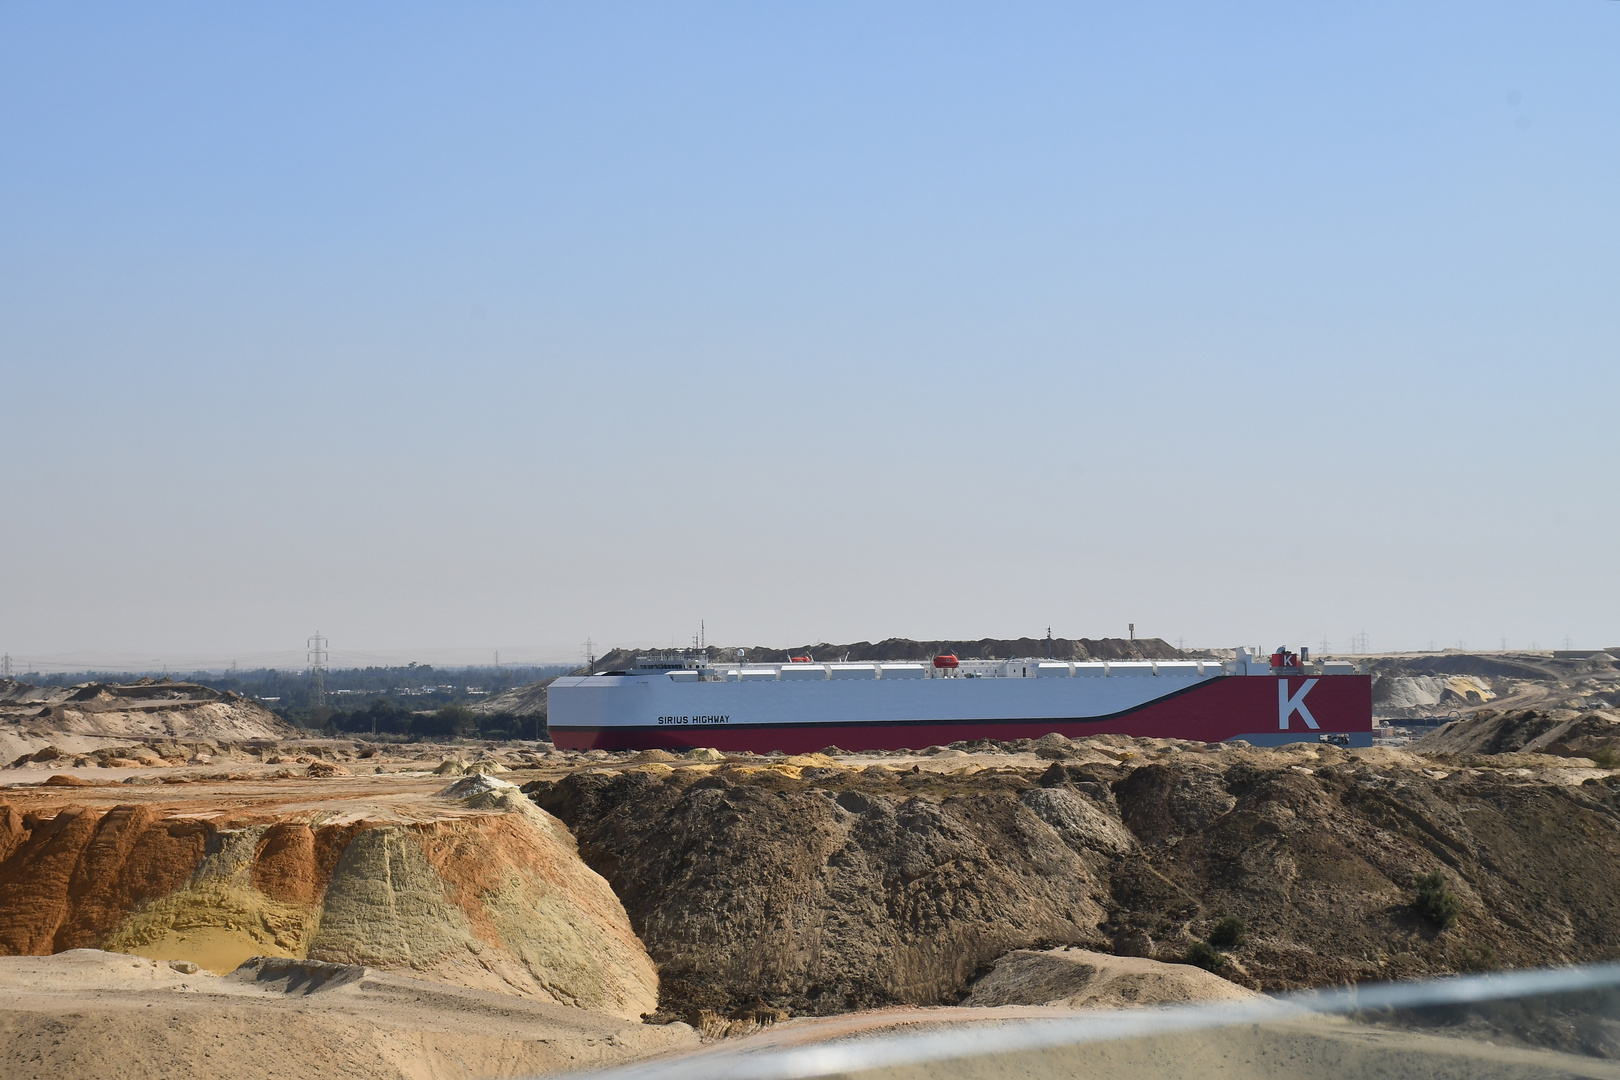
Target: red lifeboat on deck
946,660
800,660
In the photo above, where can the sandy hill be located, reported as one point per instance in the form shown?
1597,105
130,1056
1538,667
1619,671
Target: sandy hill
527,700
880,880
893,649
88,1015
731,890
1427,686
1562,733
90,715
1082,979
470,884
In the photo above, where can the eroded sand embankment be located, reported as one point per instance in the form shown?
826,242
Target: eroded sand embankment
483,891
766,886
820,885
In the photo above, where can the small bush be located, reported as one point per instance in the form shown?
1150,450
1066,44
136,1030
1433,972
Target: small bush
1204,955
1481,957
1435,902
1228,932
1606,757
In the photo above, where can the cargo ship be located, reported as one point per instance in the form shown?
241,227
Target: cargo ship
679,702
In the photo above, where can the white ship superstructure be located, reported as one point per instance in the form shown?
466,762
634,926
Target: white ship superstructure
677,701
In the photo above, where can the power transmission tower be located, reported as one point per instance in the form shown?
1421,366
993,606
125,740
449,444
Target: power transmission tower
497,659
317,666
590,655
5,666
1358,642
1323,649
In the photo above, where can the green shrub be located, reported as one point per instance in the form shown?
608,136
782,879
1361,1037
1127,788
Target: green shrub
1481,957
1435,902
1228,932
1606,757
1204,955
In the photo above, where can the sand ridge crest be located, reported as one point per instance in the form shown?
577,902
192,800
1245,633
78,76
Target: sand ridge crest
484,891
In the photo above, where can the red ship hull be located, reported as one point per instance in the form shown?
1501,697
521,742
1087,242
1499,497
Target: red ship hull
1259,709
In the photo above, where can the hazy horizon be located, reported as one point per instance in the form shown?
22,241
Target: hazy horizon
180,665
433,329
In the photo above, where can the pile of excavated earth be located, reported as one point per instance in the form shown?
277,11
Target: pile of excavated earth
1424,687
102,719
823,884
273,905
891,649
424,921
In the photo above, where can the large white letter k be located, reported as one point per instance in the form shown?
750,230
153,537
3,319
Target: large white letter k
1287,706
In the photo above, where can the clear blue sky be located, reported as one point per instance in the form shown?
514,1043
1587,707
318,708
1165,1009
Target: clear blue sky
478,326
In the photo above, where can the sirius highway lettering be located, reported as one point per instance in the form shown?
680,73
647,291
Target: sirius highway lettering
679,720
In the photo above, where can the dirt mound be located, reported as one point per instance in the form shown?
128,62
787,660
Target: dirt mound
1500,666
1081,979
291,976
857,887
476,784
87,1015
1416,692
527,700
68,780
818,901
1437,686
901,649
1531,731
143,710
489,893
500,901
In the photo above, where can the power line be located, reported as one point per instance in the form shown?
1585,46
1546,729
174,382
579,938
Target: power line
317,666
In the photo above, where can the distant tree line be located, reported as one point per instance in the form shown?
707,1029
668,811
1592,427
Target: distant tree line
415,701
425,686
383,717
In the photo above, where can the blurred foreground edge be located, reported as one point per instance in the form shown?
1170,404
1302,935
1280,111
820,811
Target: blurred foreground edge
1529,1023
